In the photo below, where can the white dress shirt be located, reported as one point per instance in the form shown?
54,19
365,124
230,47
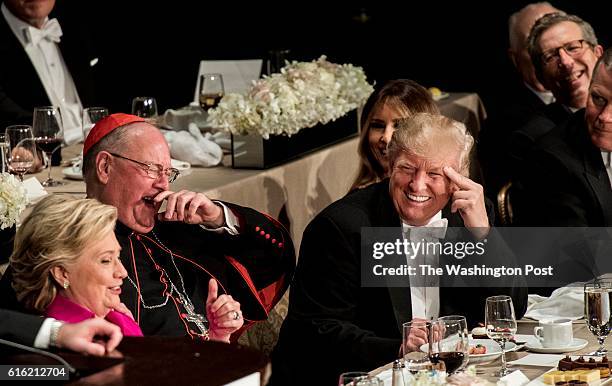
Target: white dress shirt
425,299
52,71
607,159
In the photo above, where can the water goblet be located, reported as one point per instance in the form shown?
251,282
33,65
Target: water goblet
144,107
500,323
350,377
91,115
415,359
598,311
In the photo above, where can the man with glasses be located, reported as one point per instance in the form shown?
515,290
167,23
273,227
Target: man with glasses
563,49
568,179
171,256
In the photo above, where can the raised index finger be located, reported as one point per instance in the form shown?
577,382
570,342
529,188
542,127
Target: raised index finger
462,181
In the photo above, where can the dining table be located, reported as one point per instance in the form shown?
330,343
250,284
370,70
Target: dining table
525,326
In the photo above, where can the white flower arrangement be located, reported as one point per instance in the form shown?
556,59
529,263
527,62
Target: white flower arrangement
13,200
302,95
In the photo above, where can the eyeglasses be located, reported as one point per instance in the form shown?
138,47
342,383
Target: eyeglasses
574,49
153,170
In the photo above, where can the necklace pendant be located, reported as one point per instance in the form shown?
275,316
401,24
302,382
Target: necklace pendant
200,321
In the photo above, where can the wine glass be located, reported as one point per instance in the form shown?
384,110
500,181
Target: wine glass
91,115
348,377
211,90
597,311
3,150
144,107
500,322
415,359
448,343
21,149
49,133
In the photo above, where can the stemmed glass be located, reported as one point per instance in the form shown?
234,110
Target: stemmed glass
91,115
49,134
501,324
144,107
448,343
211,90
358,378
21,149
3,150
414,359
597,311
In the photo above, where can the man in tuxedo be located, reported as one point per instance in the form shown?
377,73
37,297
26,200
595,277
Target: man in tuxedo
567,181
35,331
42,66
335,323
526,97
563,49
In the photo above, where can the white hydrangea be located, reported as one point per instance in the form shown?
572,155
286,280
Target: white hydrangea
13,200
302,95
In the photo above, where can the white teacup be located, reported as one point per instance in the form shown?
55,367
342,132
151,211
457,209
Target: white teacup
555,332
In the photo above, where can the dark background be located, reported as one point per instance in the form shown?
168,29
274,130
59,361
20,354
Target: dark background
154,48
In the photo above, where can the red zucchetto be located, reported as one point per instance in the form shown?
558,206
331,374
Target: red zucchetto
105,126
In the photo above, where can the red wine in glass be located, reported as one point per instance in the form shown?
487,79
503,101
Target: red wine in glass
452,360
48,145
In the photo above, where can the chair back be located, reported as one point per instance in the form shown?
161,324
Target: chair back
504,206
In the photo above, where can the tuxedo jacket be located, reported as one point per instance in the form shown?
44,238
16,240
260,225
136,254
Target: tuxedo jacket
334,324
508,136
518,105
18,327
564,181
20,87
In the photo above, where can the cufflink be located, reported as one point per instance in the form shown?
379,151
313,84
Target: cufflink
93,62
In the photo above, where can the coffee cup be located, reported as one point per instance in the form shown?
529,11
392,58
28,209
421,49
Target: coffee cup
554,333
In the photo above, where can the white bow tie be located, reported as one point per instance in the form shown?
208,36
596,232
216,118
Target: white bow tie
51,31
435,229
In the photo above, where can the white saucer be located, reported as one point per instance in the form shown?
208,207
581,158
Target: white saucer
536,346
72,173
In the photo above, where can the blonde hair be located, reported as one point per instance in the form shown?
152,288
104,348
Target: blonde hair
426,134
55,233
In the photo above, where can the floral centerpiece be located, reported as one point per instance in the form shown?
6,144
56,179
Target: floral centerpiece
302,95
13,200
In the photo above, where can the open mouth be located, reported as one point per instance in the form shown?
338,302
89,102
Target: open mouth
574,76
417,198
148,200
116,290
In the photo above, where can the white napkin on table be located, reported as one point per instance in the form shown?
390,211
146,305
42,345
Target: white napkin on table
192,147
34,190
565,302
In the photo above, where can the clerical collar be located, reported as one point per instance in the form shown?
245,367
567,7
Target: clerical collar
436,217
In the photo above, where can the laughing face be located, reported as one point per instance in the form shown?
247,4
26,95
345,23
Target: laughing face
129,188
380,130
598,113
418,186
568,77
96,277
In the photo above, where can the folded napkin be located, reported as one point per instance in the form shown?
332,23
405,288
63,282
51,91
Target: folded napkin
565,302
192,147
181,118
34,190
